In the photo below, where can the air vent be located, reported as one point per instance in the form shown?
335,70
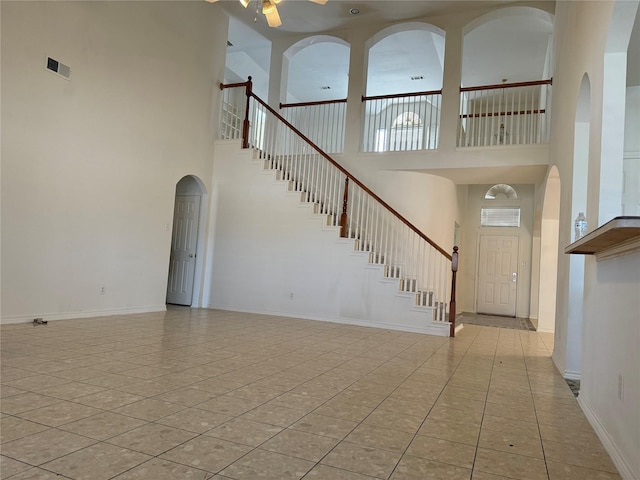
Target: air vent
229,44
326,87
417,77
58,68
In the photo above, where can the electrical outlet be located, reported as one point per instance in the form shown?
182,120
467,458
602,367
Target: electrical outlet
103,290
620,387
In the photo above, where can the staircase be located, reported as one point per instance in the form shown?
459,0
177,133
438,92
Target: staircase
423,298
405,261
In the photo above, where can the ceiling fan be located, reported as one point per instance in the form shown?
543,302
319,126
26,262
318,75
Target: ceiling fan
270,10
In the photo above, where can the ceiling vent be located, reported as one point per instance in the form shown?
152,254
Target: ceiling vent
417,77
58,68
229,44
326,87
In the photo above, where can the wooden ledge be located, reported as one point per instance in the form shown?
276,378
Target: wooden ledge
617,236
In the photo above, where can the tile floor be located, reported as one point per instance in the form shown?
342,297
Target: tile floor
200,394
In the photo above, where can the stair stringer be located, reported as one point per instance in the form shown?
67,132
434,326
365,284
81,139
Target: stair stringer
270,257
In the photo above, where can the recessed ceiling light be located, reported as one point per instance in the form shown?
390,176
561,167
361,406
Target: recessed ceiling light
354,11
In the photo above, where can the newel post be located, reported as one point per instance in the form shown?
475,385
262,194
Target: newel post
345,203
245,124
452,303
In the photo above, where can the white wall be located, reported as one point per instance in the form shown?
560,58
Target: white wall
610,329
611,338
428,201
90,165
273,255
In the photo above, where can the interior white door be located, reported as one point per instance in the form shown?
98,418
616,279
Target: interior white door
182,264
498,275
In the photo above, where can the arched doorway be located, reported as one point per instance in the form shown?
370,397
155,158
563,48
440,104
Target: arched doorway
185,240
579,203
549,240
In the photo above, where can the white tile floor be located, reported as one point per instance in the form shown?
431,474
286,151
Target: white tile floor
199,394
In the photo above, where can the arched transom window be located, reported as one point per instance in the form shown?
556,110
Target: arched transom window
503,214
501,191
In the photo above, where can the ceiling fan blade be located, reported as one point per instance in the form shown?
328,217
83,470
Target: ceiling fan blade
321,2
212,1
271,12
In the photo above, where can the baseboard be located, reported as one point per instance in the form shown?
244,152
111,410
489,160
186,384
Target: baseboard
77,315
624,468
545,330
440,329
571,375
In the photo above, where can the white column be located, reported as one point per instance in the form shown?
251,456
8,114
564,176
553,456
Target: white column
452,77
278,70
357,81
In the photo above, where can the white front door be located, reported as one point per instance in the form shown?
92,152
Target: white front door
498,275
183,249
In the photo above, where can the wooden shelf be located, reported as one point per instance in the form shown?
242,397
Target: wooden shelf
619,232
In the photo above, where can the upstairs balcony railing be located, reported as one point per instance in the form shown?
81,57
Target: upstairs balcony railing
322,122
504,114
491,115
401,122
421,266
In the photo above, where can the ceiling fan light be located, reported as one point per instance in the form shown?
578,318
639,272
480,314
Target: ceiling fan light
268,6
244,3
212,1
321,2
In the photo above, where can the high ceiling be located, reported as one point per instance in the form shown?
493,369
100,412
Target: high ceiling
302,16
514,45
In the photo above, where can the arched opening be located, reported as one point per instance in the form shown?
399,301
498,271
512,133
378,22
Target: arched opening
495,43
549,240
315,84
579,198
315,69
419,68
186,241
505,101
403,100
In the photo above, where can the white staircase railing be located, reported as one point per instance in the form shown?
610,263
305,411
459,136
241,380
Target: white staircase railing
401,122
322,122
423,269
504,114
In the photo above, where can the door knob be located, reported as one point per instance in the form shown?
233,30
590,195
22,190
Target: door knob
515,277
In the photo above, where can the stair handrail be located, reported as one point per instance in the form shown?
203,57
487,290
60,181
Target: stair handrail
402,95
245,141
533,83
312,104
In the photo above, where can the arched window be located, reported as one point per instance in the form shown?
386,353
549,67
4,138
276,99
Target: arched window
501,191
504,214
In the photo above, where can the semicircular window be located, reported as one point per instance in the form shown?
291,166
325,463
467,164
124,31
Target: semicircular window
501,191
